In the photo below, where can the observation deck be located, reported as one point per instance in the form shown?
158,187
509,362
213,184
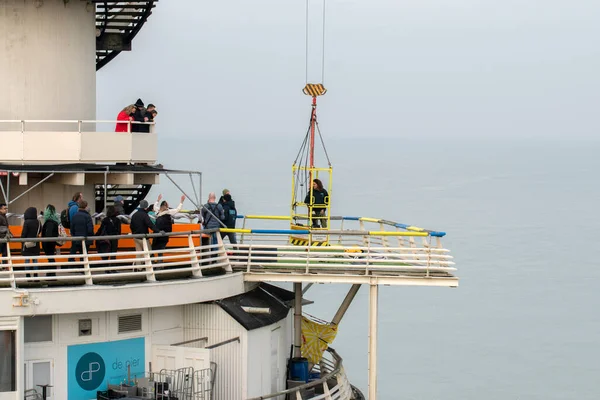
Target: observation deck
69,141
390,255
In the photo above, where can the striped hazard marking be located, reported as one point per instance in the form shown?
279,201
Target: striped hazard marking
304,242
314,89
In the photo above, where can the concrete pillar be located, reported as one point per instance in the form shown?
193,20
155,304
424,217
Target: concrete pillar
47,61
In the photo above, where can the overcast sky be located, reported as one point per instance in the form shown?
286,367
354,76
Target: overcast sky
426,68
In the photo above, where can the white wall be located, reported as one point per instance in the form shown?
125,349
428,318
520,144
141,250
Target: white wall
47,60
266,370
47,193
209,320
243,369
161,326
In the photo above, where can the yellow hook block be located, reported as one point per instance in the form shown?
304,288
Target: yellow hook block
314,89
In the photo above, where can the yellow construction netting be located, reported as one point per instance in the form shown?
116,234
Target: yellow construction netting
317,335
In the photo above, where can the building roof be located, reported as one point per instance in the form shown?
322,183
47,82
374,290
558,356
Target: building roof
91,168
263,296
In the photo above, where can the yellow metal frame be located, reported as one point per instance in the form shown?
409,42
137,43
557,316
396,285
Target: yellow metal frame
307,214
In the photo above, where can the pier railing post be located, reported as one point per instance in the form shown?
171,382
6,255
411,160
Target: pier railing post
297,319
86,263
373,303
223,251
148,262
196,272
13,283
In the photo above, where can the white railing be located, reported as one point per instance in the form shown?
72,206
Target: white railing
76,124
91,268
352,257
330,369
261,254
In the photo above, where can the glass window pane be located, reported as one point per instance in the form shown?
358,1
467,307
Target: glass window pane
41,375
7,361
38,329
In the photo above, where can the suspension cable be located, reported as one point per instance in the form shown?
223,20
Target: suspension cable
323,49
322,142
307,45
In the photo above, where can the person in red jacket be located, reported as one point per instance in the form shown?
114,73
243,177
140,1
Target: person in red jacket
125,115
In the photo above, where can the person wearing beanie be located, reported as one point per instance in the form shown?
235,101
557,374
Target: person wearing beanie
230,212
138,116
119,207
141,224
225,191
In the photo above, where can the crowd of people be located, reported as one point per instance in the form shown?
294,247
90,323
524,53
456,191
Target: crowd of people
136,113
157,218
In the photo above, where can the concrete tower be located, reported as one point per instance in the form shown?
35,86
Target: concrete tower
50,51
47,60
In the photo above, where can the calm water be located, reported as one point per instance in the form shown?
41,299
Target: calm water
522,220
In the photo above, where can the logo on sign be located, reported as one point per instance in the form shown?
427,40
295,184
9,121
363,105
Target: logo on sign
90,371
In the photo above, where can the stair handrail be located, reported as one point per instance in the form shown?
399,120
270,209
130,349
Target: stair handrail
336,370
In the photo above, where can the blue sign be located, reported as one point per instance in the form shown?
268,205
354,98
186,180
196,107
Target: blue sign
92,366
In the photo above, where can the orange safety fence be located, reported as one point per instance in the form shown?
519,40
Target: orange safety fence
125,244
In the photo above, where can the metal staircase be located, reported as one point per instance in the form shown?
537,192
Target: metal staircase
117,23
132,195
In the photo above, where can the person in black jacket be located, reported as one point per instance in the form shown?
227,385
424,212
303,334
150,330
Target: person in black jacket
165,224
31,229
4,230
149,115
81,226
110,226
230,217
318,204
141,224
50,229
139,115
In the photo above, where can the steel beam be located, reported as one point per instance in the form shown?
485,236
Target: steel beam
351,279
345,304
297,319
373,305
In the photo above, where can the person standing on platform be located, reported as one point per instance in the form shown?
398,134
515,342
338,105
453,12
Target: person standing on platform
138,116
81,226
141,224
4,230
32,228
318,204
110,226
230,212
50,230
124,117
164,222
73,206
118,204
212,215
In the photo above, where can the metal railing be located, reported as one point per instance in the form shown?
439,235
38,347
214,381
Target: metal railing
374,254
181,384
90,267
333,383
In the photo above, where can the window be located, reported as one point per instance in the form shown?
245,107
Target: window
130,323
8,358
38,329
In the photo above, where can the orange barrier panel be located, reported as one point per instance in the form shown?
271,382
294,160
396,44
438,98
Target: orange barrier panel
124,244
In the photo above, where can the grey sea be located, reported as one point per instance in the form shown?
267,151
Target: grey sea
522,220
